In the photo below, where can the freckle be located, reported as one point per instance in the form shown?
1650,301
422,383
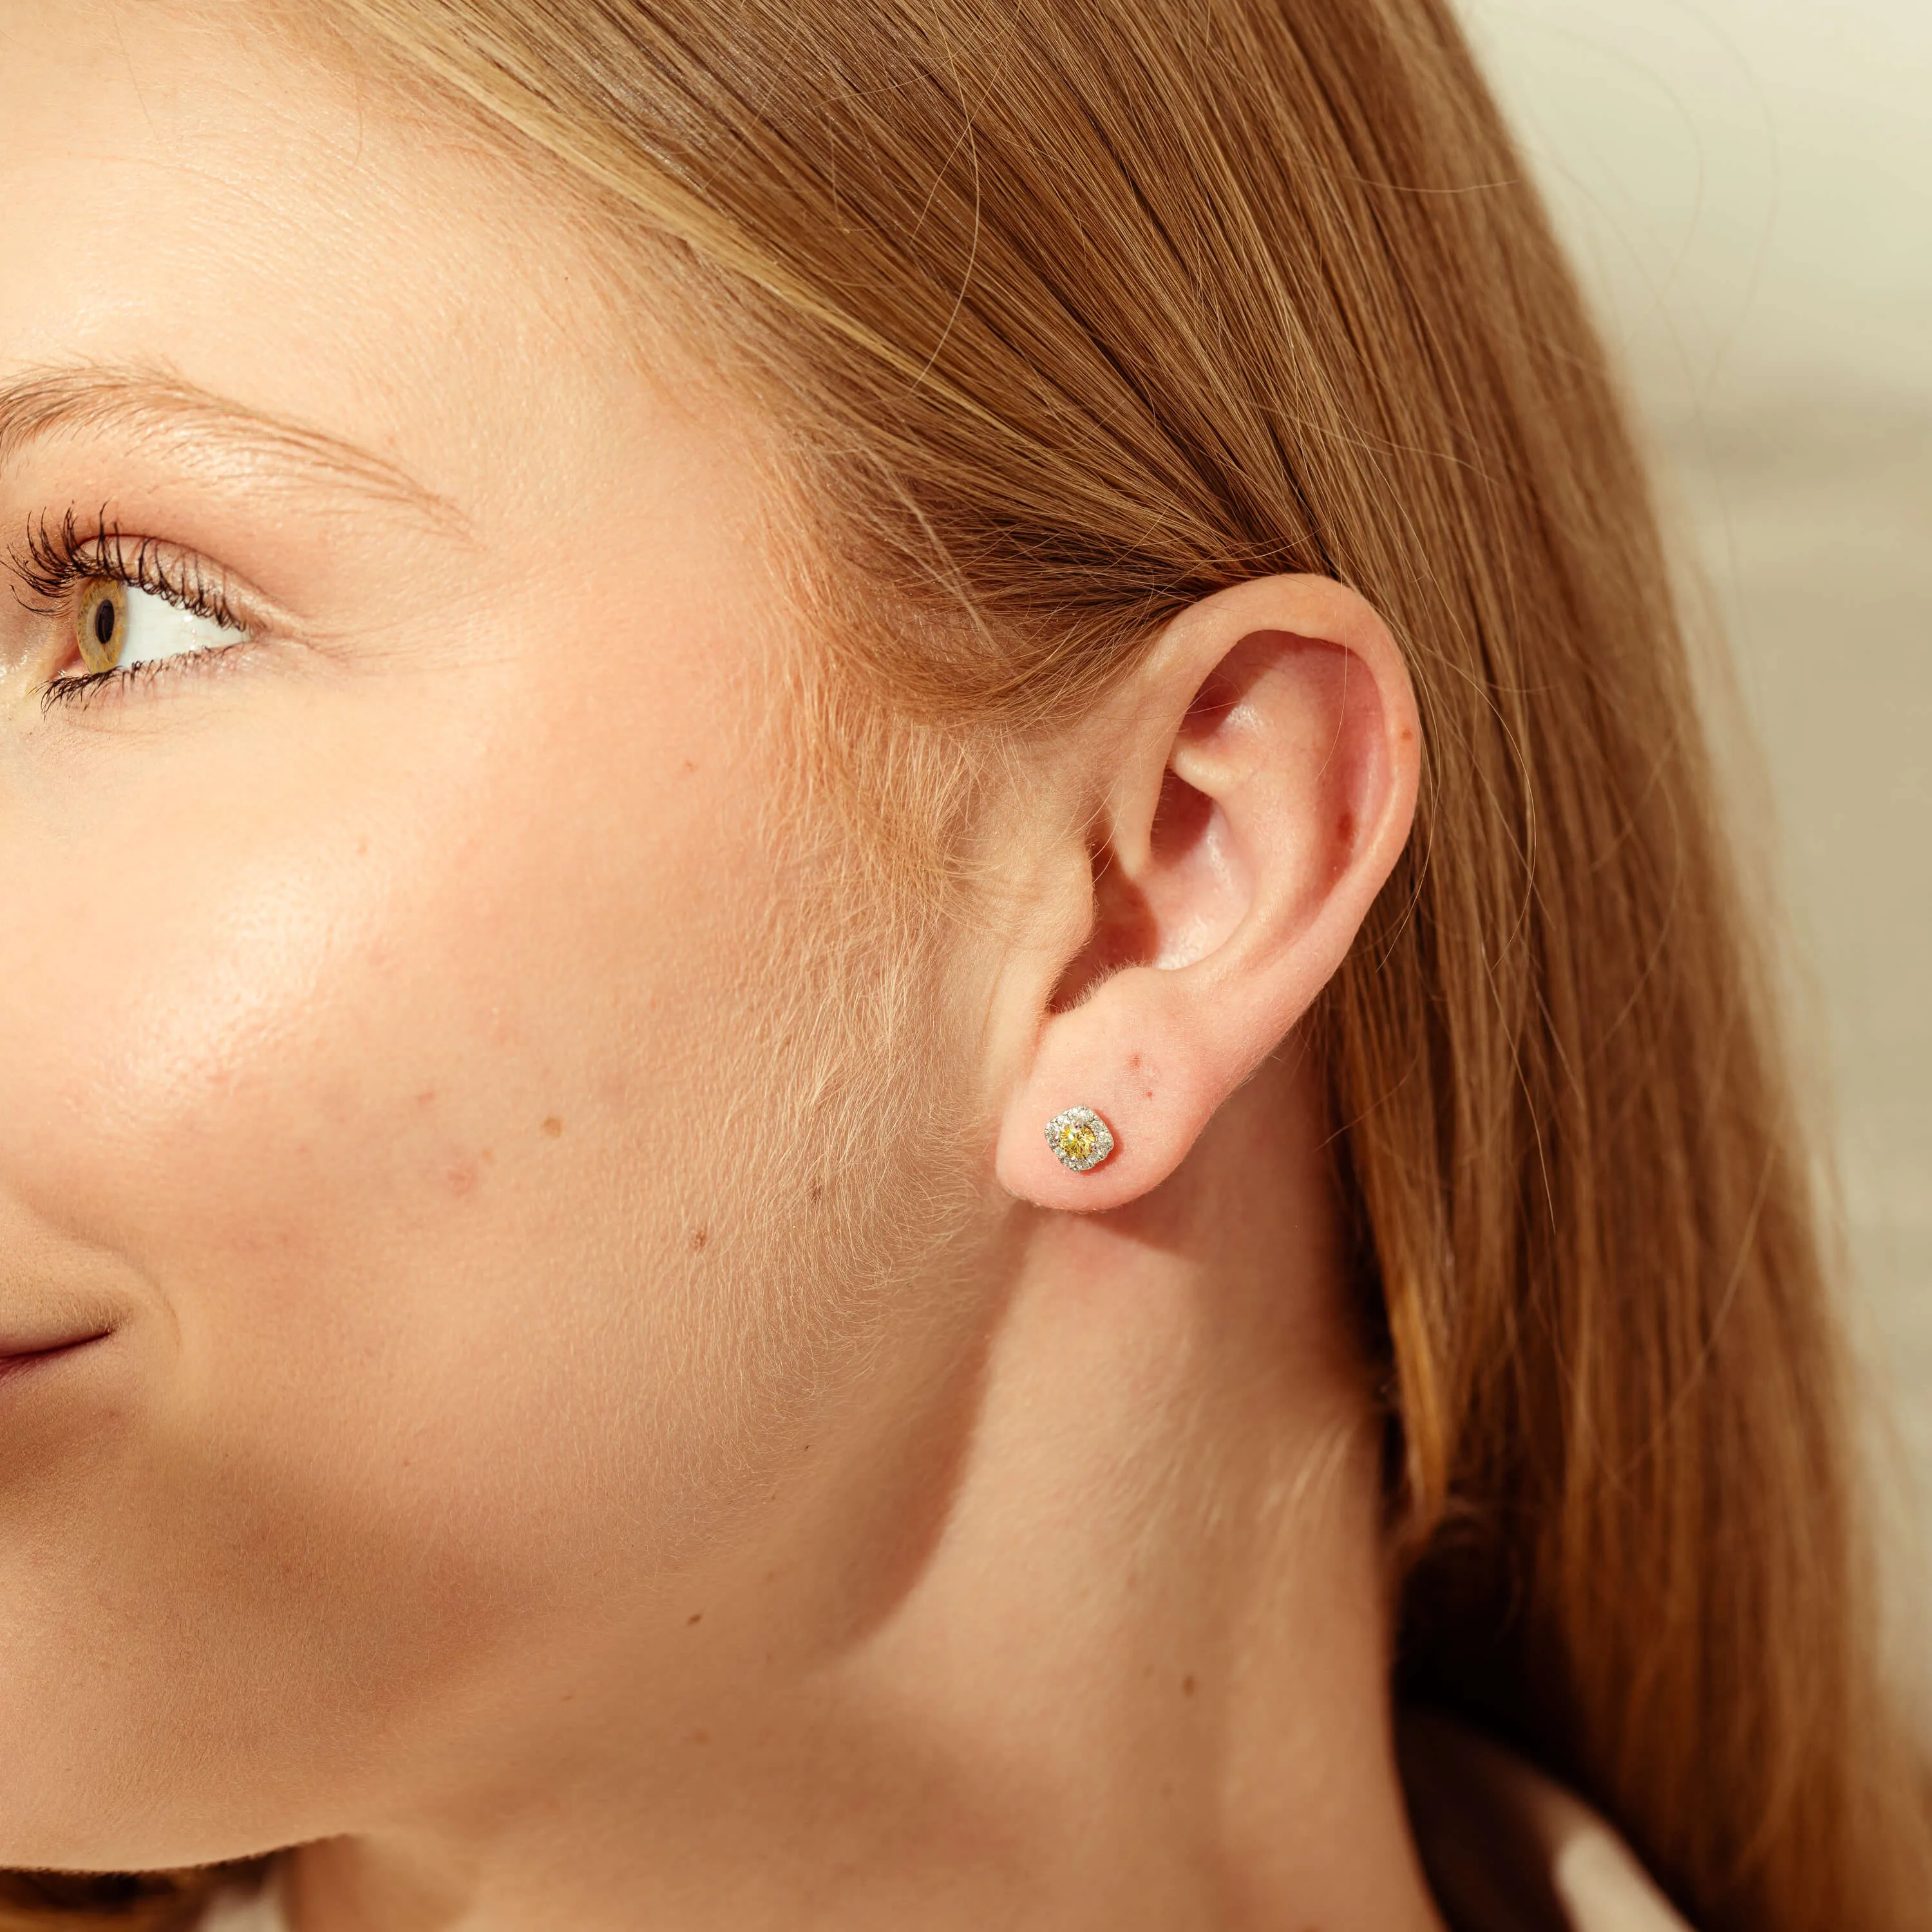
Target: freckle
488,1156
1187,1686
696,1617
818,1190
699,1738
1133,1059
361,848
699,1237
690,764
462,1178
553,1126
427,1098
771,1575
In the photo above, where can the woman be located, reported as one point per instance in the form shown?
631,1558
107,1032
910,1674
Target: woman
872,1020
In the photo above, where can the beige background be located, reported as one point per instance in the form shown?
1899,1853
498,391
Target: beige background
1748,187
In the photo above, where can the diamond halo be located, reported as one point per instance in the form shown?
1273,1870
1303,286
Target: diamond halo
1079,1138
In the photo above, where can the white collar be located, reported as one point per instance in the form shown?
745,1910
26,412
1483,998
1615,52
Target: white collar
1507,1850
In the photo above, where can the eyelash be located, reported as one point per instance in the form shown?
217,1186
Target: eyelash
54,559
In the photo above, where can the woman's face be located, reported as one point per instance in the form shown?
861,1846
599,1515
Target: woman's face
389,1026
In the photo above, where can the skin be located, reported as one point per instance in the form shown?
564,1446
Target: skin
478,1463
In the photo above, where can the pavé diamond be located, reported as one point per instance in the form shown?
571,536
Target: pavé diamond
1079,1138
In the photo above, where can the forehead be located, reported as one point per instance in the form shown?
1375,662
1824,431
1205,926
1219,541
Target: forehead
189,195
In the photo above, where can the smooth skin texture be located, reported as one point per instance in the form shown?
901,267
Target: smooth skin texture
469,1483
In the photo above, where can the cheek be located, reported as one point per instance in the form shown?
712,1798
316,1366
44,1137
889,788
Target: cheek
381,1043
374,1062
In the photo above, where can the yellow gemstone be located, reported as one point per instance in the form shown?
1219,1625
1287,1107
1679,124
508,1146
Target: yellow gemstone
1080,1139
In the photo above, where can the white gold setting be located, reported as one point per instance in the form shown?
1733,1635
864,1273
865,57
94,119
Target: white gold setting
1079,1138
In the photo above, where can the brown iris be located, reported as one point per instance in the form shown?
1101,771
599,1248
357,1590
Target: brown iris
100,625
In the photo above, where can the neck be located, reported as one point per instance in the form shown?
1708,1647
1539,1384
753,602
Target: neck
1119,1656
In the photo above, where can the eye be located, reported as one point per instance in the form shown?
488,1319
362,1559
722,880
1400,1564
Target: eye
119,626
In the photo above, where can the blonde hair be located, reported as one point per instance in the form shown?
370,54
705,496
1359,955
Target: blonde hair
1076,311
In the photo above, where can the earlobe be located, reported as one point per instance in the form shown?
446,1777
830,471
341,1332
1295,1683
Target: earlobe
1255,786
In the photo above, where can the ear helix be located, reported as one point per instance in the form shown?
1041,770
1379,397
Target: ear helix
1080,1139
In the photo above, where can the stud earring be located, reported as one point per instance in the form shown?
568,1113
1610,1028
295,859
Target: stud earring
1079,1138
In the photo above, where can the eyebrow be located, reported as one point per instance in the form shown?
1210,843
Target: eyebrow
54,402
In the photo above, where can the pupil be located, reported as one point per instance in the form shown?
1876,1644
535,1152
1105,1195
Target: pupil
103,621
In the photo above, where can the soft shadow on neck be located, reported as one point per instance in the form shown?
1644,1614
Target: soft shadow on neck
1081,1620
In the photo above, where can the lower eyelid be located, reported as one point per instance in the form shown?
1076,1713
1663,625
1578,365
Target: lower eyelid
94,689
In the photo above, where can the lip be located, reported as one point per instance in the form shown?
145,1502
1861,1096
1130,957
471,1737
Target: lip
16,1364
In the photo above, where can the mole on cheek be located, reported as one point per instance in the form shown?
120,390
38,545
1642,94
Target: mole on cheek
553,1126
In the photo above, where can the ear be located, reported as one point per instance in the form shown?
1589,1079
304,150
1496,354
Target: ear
1248,793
